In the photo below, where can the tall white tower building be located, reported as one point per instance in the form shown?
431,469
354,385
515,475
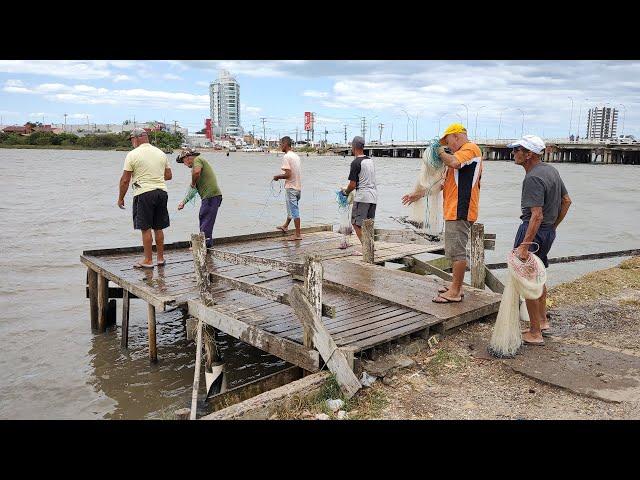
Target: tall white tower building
602,123
224,97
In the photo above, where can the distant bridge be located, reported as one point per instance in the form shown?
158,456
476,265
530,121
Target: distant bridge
558,150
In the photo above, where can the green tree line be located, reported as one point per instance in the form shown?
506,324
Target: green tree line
162,140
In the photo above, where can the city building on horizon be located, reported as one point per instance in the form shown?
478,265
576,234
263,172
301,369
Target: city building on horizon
602,123
224,99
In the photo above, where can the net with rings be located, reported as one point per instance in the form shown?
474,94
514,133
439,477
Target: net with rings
344,209
526,278
428,210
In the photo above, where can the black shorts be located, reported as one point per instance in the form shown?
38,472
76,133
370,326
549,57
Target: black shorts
361,211
544,238
150,210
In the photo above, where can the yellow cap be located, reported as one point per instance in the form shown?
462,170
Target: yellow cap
453,128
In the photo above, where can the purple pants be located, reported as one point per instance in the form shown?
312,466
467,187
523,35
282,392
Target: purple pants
207,216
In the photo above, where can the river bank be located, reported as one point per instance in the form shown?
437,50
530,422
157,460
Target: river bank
456,380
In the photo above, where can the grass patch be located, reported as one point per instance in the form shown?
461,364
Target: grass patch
595,285
367,403
445,359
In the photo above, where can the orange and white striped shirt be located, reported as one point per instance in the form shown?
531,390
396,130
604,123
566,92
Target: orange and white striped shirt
462,186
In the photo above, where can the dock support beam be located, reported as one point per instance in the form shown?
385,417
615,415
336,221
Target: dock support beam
92,280
103,302
151,319
124,341
477,256
313,289
367,241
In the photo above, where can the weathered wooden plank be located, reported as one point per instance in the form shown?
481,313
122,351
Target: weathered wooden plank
124,341
313,291
256,387
151,321
333,357
367,241
216,241
264,292
92,279
493,282
477,255
196,373
390,336
401,288
287,350
290,267
103,299
141,291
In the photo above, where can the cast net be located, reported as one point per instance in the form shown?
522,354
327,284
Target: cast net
427,211
344,208
526,279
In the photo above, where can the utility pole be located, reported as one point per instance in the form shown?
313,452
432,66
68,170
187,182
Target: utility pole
363,126
296,134
65,122
134,121
380,126
325,135
175,126
345,134
313,126
253,133
264,132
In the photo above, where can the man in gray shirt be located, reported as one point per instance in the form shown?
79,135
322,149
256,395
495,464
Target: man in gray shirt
362,178
544,204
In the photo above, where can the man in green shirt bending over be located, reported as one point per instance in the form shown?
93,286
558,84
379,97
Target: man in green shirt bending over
204,180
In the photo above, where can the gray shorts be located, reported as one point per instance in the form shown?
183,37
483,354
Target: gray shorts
456,237
361,211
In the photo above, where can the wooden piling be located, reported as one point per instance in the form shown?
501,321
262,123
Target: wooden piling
103,300
124,341
367,241
92,280
151,320
313,289
477,256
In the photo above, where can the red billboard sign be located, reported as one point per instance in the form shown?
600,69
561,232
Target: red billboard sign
307,121
207,127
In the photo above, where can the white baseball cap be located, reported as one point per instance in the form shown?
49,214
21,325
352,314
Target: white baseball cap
532,143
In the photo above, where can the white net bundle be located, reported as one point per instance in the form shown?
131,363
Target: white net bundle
345,204
526,279
427,211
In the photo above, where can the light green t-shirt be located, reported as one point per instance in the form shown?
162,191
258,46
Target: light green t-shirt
207,183
147,164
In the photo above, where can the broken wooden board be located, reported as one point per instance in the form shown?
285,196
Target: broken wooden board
331,354
583,369
408,290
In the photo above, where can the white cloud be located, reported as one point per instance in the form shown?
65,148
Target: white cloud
314,94
122,78
202,83
89,95
171,76
250,110
79,70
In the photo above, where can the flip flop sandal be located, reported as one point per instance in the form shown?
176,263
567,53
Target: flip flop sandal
547,332
446,300
141,265
537,344
440,290
162,263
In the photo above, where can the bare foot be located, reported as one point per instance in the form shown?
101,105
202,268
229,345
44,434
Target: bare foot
161,261
545,325
356,253
282,229
293,238
531,339
143,264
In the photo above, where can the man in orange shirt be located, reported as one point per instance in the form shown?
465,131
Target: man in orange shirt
461,191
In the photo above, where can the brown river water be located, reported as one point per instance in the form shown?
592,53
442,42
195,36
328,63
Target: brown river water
58,203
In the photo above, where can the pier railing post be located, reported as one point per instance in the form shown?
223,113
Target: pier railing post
477,256
103,302
313,274
367,241
205,333
92,280
124,341
151,321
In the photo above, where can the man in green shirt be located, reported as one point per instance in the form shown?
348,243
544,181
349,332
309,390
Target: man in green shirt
204,181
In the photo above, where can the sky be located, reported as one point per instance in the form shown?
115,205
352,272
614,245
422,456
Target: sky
411,99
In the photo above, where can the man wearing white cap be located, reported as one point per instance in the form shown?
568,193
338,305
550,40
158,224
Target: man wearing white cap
544,204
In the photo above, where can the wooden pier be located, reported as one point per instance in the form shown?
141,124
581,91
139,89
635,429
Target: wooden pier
360,304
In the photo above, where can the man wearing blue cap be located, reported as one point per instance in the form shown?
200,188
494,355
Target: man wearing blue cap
544,204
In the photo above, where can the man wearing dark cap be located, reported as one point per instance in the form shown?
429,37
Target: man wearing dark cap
362,178
205,183
149,169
